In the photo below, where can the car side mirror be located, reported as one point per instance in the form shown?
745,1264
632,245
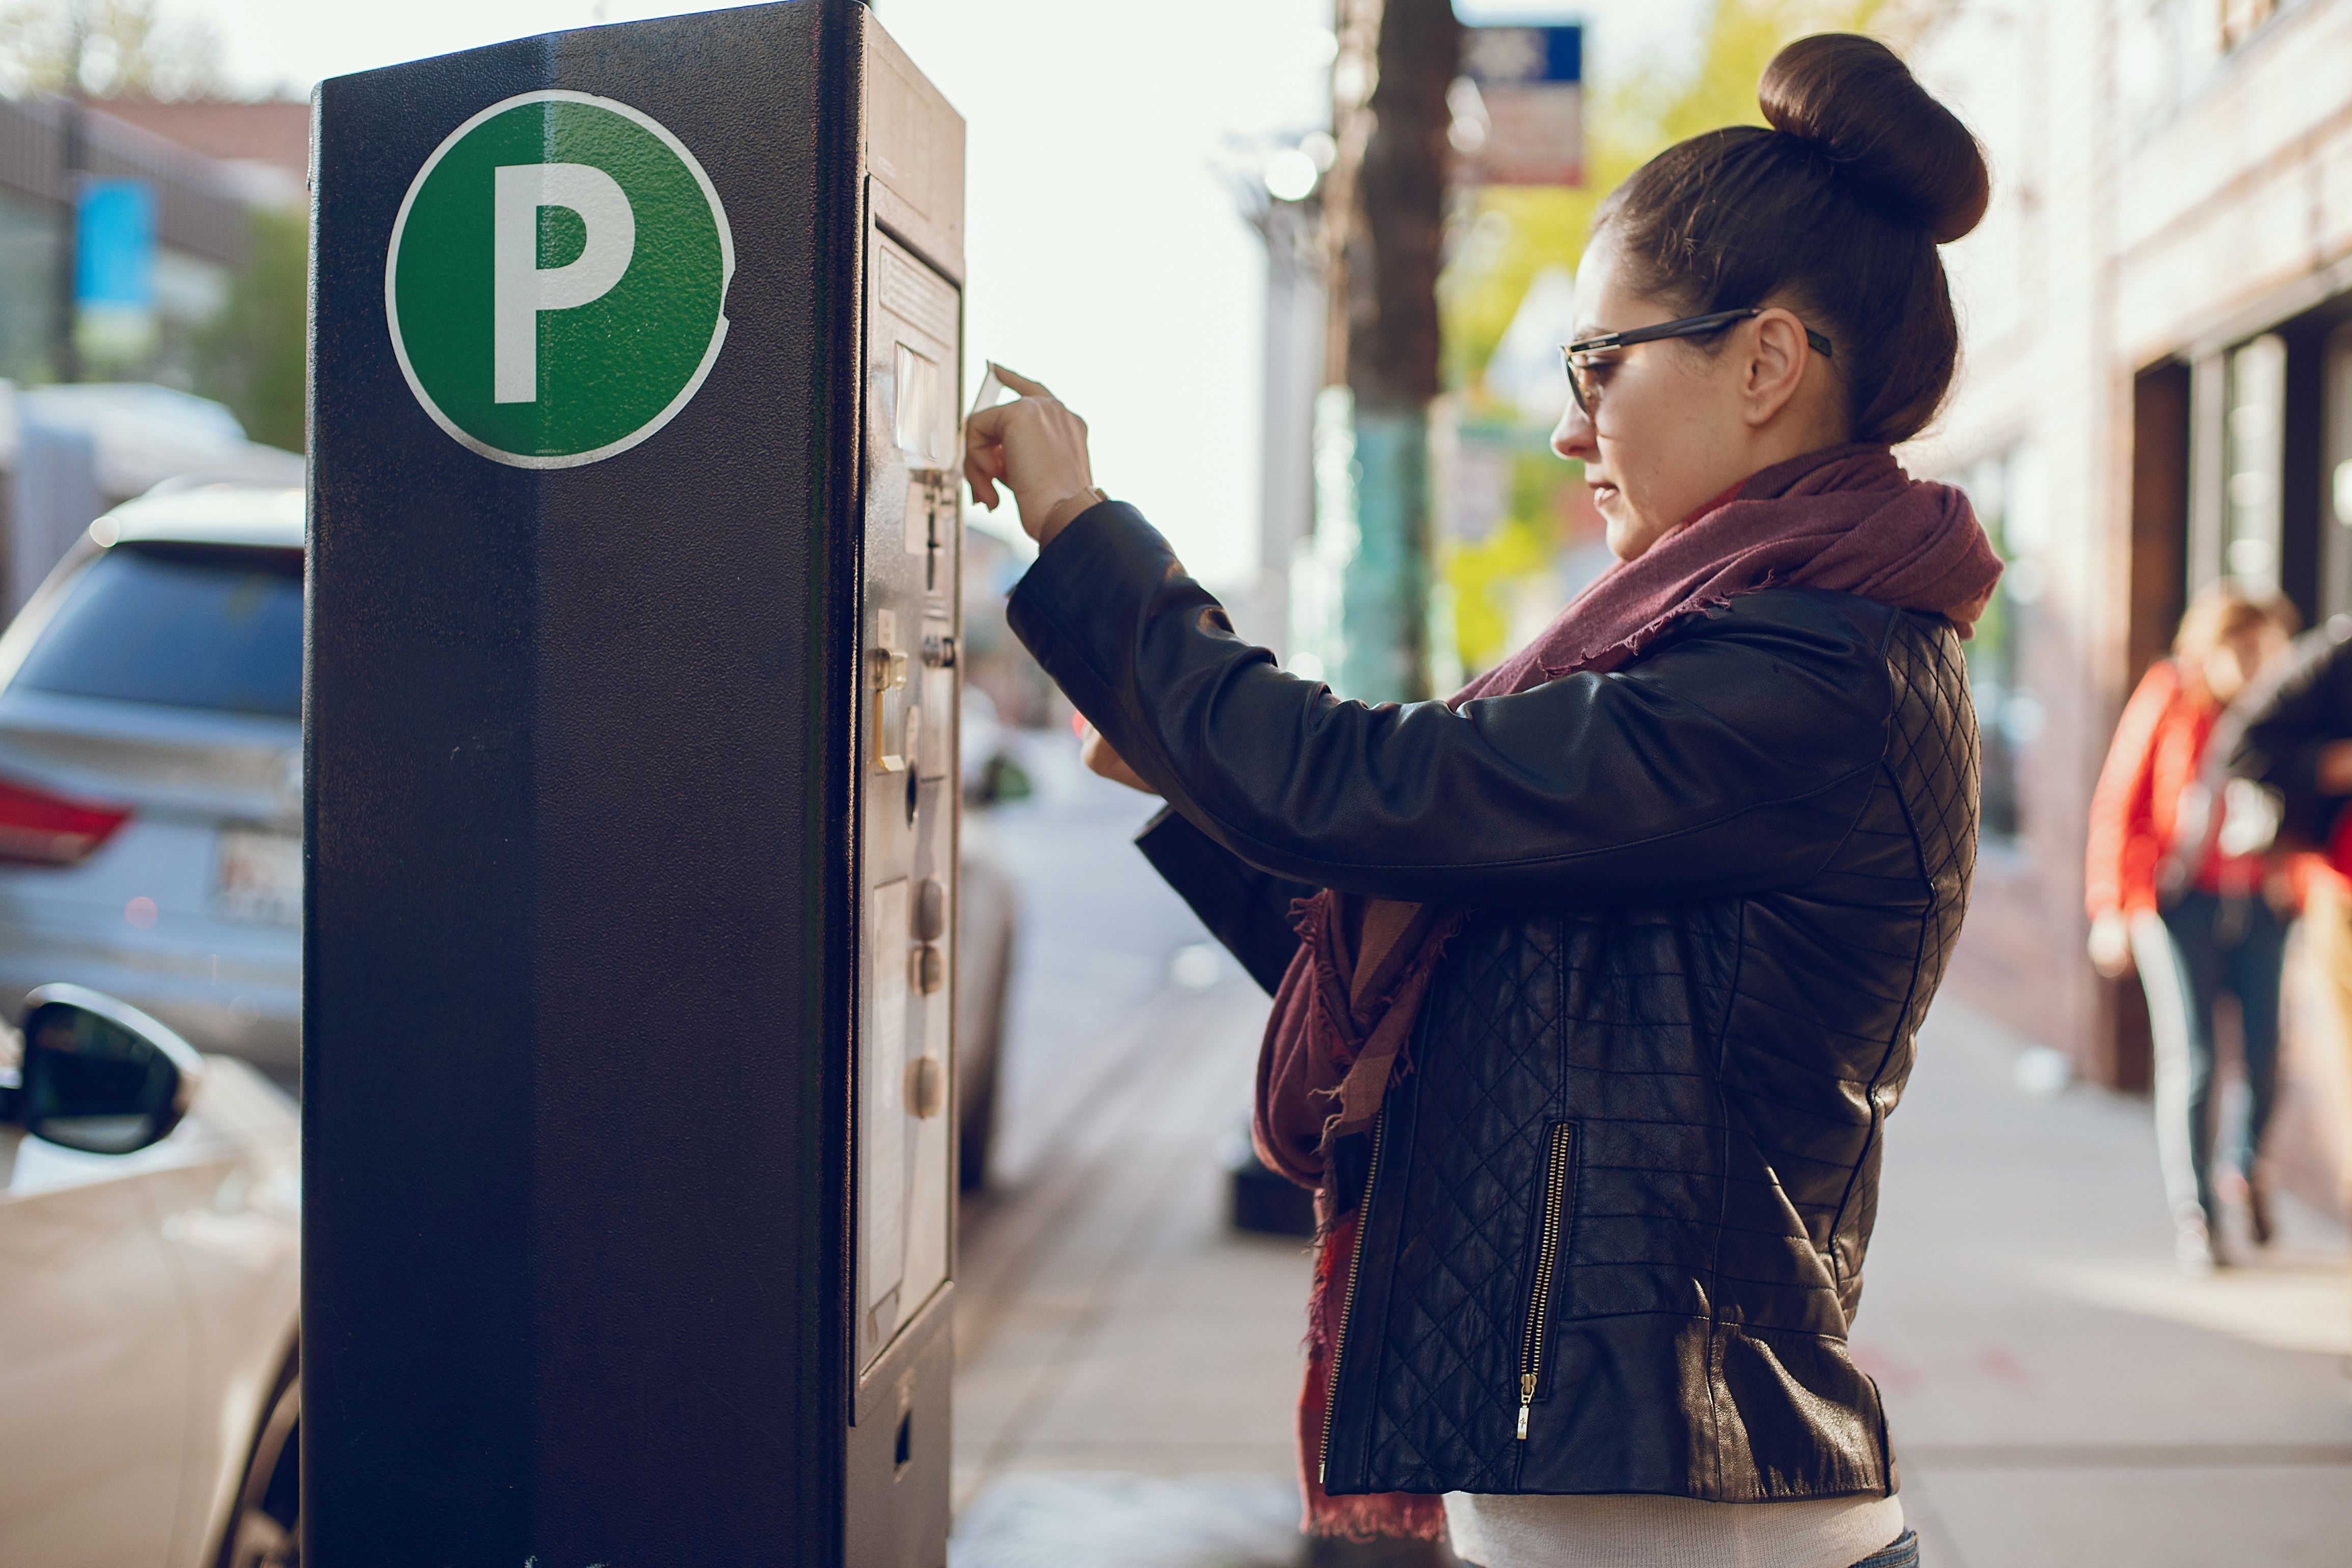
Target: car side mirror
99,1075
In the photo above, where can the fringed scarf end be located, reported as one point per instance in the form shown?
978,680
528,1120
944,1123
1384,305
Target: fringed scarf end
1380,1516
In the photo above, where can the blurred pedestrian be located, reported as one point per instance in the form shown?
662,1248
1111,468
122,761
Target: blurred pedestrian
2202,922
1608,970
2291,734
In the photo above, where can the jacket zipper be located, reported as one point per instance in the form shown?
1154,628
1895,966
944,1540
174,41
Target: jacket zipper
1348,1299
1555,1212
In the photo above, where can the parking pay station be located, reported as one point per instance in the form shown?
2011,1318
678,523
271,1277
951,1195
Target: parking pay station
632,801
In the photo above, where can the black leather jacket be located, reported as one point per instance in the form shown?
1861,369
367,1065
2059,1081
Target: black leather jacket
1614,1226
2275,733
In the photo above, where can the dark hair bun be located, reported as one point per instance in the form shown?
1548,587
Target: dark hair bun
1853,97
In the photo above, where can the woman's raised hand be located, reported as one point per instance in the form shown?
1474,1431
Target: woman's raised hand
1035,448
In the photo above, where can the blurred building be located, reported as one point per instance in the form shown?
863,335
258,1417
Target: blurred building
2157,390
1295,365
1020,693
1278,189
199,207
262,146
198,172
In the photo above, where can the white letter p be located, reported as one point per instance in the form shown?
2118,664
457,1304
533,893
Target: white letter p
520,289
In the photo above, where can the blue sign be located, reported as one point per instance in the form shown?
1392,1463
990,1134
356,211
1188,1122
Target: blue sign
1529,117
1554,56
114,244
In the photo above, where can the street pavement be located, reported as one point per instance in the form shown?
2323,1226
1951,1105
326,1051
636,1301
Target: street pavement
2059,1394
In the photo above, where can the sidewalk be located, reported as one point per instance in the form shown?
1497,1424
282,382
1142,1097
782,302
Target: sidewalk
2059,1394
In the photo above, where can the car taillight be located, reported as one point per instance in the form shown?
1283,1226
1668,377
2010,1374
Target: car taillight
38,827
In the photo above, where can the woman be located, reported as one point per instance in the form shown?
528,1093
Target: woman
2199,921
1588,1038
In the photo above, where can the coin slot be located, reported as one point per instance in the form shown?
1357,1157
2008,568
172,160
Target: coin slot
910,750
930,910
927,1087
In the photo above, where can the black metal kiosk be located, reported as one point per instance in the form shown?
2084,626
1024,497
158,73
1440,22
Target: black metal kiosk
631,817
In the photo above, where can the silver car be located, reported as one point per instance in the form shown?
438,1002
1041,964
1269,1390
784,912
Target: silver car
149,1253
150,769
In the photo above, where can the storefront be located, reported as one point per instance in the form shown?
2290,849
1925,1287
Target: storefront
2156,391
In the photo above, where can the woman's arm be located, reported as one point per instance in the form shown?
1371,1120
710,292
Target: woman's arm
2121,852
1734,759
1247,909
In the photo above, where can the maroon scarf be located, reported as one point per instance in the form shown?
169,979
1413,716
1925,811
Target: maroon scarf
1847,519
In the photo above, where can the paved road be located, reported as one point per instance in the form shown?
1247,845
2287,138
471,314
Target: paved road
1125,1364
1101,941
2059,1395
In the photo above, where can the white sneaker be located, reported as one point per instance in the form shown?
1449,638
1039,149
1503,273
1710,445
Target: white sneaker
2192,1249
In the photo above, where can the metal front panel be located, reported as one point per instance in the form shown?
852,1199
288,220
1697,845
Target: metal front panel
909,770
914,155
899,1447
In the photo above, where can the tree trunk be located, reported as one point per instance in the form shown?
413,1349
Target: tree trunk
1385,206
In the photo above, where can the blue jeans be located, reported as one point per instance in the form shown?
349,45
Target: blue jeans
1903,1553
2208,947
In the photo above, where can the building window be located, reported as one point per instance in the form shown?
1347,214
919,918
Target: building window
2253,457
2167,50
2006,491
2335,466
2270,466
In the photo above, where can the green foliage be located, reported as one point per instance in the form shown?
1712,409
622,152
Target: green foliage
1483,575
115,47
1515,232
251,356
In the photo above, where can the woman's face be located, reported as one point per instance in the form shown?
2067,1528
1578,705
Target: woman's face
1680,422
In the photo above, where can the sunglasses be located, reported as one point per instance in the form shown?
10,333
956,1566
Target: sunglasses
1581,364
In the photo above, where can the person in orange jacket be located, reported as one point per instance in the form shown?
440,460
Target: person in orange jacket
2166,893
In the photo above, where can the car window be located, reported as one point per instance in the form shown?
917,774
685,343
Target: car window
185,625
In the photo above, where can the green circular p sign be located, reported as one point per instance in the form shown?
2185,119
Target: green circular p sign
557,282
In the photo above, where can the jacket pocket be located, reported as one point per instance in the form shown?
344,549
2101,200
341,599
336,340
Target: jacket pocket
1556,1209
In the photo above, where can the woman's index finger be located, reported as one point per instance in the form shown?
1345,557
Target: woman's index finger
1019,382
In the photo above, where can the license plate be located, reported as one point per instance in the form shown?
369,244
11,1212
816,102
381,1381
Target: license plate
260,876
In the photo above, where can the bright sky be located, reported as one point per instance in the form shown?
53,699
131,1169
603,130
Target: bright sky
1106,252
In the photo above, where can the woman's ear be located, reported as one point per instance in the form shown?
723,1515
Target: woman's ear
1775,365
